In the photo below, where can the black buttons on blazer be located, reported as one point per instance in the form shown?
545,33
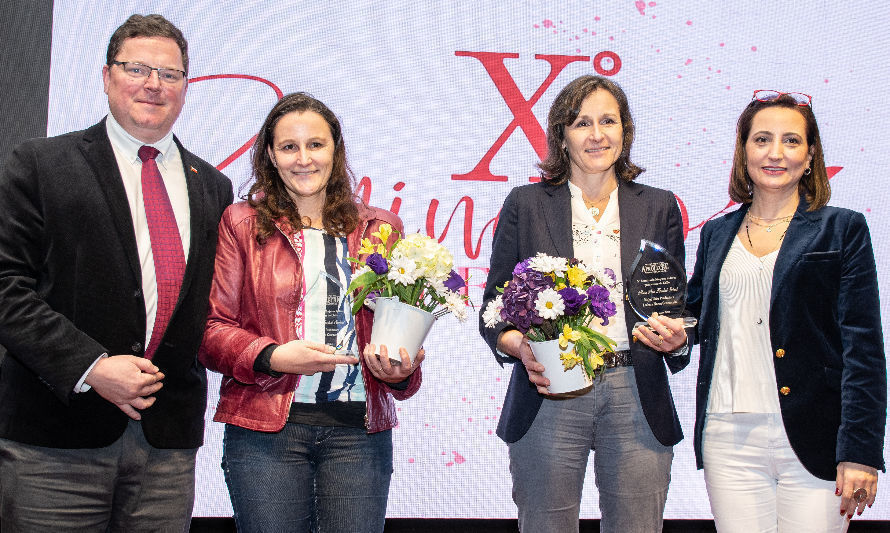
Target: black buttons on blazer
136,347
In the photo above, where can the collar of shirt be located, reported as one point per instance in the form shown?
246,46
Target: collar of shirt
129,146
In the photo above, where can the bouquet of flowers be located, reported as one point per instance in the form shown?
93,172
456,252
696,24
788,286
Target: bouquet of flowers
553,298
416,269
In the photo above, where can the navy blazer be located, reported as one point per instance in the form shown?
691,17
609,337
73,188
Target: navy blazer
538,218
71,289
825,332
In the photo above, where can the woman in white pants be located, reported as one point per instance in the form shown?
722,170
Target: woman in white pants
791,394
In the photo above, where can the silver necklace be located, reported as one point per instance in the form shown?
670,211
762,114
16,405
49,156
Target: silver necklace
591,206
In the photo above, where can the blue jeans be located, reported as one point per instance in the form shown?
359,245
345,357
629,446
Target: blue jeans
632,468
308,478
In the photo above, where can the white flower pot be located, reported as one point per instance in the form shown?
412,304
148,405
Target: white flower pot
561,381
399,325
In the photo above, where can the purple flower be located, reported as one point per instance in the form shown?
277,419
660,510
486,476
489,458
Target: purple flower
600,304
573,300
611,273
520,267
377,263
454,282
519,299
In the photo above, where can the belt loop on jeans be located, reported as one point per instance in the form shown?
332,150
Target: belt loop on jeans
616,359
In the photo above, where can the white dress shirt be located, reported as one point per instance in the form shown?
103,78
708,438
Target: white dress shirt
599,243
169,161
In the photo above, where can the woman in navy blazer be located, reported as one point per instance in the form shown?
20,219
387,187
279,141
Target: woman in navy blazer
629,416
801,452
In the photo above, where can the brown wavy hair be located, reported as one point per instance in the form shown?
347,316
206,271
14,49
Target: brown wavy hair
268,195
146,26
556,168
814,186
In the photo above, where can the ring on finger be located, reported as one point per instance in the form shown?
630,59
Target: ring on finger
660,340
860,495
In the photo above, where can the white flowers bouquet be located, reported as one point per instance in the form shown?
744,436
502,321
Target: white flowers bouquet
416,269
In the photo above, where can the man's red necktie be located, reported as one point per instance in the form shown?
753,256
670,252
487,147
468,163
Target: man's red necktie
166,245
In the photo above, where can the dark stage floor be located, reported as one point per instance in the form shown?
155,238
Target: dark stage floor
420,525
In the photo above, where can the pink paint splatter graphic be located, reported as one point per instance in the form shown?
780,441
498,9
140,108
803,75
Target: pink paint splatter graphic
641,7
458,459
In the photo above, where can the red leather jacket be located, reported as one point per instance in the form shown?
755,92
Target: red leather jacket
252,304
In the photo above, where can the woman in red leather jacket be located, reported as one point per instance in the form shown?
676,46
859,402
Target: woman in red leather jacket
308,441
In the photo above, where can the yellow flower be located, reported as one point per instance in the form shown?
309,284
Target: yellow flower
383,233
596,360
570,360
568,335
576,277
560,286
367,247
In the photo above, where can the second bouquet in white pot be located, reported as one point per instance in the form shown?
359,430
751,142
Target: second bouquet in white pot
555,302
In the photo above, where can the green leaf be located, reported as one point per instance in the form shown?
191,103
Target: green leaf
366,279
360,299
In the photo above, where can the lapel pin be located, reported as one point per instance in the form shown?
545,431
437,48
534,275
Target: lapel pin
194,169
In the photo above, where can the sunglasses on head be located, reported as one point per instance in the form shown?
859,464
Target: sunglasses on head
768,95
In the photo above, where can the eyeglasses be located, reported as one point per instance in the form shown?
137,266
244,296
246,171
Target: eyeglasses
140,71
801,99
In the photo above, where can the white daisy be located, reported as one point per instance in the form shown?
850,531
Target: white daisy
549,304
546,264
438,286
455,303
402,270
492,314
596,271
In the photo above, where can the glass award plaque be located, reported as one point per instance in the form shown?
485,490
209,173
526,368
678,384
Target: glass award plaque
657,284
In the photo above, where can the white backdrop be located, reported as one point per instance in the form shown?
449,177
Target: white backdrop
427,92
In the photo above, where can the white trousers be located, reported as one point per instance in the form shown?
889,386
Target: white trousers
756,483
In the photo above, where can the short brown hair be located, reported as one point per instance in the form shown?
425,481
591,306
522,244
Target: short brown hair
813,184
146,26
557,166
268,194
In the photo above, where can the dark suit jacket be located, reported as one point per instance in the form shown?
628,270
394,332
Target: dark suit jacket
825,318
71,289
538,218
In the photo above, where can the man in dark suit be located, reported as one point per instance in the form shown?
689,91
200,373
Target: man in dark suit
106,256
